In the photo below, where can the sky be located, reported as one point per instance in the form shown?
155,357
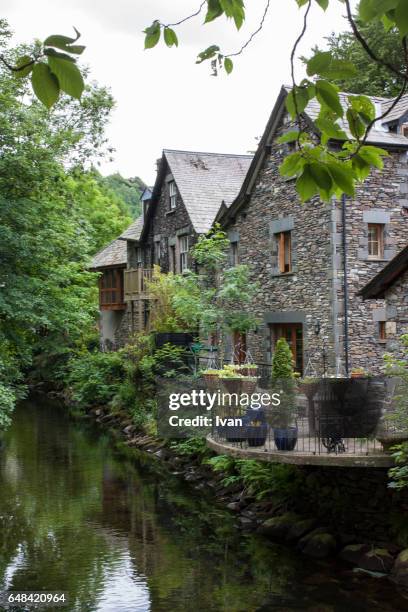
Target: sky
163,98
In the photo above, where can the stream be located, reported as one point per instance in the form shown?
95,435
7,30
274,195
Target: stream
122,535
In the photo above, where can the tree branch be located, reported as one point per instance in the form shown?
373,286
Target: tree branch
16,68
292,68
177,23
366,46
250,39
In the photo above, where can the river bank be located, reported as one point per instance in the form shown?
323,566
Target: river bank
349,515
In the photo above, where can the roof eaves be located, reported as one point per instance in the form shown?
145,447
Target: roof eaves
378,285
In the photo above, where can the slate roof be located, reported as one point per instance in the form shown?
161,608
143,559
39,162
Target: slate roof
379,134
400,109
378,286
134,230
115,254
205,180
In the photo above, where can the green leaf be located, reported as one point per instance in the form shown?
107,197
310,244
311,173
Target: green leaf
301,3
291,136
373,156
363,106
228,65
214,10
302,100
45,84
323,4
327,94
321,176
306,186
170,37
22,61
235,10
152,35
318,62
53,53
68,75
207,54
292,164
59,41
329,128
76,49
342,176
357,127
401,17
360,167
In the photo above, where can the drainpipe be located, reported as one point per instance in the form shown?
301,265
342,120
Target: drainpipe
345,284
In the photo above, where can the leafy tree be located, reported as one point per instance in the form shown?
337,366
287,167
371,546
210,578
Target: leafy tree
371,79
128,190
320,168
53,217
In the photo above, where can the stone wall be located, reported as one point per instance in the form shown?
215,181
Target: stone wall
312,294
166,226
356,501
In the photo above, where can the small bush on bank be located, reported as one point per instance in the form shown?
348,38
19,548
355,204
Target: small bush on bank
95,378
7,403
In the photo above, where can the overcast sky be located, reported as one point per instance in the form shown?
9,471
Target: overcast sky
165,100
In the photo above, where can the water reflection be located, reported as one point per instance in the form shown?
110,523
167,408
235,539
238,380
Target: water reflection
77,517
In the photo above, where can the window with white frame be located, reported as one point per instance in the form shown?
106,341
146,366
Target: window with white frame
183,249
157,252
173,195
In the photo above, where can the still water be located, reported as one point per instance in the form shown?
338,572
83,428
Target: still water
115,536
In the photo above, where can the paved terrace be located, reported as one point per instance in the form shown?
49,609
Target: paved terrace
310,450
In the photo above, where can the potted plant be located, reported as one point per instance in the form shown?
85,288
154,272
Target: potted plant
256,427
231,380
283,381
249,369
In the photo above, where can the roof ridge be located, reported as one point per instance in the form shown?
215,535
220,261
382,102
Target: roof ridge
207,153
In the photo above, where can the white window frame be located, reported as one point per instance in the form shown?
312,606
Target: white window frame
183,250
173,195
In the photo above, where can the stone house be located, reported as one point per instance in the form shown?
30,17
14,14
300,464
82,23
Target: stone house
312,259
189,190
391,284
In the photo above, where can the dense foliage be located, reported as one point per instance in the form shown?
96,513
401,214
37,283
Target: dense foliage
54,215
371,79
129,190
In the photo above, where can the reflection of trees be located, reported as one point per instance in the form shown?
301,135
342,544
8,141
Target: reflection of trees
76,512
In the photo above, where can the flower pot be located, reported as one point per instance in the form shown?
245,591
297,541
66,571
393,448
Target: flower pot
285,438
248,384
211,381
357,375
388,440
256,434
232,385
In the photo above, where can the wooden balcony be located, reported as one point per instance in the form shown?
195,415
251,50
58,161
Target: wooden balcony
135,283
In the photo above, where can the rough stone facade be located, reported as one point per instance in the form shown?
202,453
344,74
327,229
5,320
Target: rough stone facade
396,300
312,295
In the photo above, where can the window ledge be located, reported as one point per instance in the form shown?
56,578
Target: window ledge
170,212
380,341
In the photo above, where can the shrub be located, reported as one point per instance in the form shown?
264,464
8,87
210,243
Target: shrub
7,403
95,378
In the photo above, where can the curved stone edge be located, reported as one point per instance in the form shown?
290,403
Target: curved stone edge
368,461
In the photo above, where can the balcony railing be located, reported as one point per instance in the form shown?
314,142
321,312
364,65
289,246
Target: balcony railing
135,283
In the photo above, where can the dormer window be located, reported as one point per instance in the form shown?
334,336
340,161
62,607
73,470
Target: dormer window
173,195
